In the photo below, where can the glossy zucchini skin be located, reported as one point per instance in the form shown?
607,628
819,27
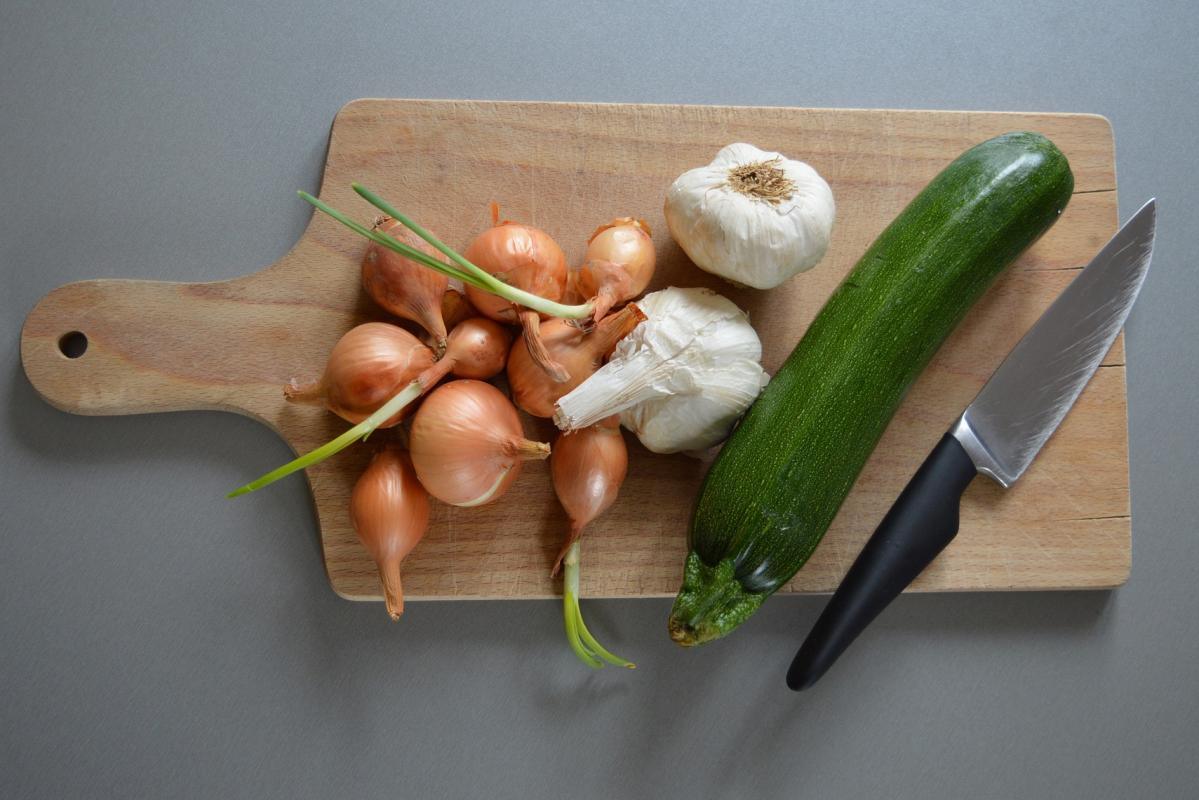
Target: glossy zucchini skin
778,482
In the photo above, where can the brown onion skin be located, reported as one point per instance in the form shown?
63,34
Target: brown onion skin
588,467
455,308
390,513
368,366
476,348
580,352
479,348
467,444
521,256
403,287
618,265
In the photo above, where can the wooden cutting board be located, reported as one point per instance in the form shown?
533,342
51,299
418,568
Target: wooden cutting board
568,167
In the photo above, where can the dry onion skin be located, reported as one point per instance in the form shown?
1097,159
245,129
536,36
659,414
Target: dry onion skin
458,268
367,366
476,348
588,467
390,513
618,265
581,352
467,443
526,258
455,308
403,286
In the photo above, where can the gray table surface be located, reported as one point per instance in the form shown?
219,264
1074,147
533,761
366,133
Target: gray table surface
157,641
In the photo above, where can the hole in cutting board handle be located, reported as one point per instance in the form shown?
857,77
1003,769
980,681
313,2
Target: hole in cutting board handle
72,344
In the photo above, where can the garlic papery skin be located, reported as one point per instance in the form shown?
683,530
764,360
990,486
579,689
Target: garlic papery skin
753,217
681,379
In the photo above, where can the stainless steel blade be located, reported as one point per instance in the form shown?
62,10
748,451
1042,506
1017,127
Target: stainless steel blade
1027,397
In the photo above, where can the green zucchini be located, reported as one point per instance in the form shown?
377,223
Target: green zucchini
779,480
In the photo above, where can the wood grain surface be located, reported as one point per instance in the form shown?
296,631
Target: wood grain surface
567,168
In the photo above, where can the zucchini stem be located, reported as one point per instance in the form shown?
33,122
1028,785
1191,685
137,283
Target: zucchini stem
359,431
581,641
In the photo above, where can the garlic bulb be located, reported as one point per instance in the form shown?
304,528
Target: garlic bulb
752,217
680,380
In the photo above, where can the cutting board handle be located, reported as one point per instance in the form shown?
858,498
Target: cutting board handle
132,347
118,347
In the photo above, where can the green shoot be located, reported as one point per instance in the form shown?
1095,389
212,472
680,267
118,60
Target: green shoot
359,431
466,272
581,641
392,243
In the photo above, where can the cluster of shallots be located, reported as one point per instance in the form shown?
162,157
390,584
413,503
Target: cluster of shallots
465,444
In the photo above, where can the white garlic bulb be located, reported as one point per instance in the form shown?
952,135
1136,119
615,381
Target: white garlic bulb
680,380
752,217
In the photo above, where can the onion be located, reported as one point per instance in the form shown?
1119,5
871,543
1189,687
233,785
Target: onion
368,365
618,265
467,444
526,258
588,467
579,352
476,348
390,512
455,307
459,269
404,287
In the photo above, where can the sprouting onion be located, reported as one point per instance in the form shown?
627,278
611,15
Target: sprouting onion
587,468
476,348
334,446
464,270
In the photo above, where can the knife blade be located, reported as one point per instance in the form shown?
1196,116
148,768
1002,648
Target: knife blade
998,435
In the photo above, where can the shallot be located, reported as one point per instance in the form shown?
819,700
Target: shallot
390,512
369,364
581,352
476,348
467,444
526,258
618,265
404,287
588,467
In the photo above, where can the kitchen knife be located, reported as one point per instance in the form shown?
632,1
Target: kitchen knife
999,435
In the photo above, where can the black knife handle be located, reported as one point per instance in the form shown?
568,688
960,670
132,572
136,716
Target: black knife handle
923,520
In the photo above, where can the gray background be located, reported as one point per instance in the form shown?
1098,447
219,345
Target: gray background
157,641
